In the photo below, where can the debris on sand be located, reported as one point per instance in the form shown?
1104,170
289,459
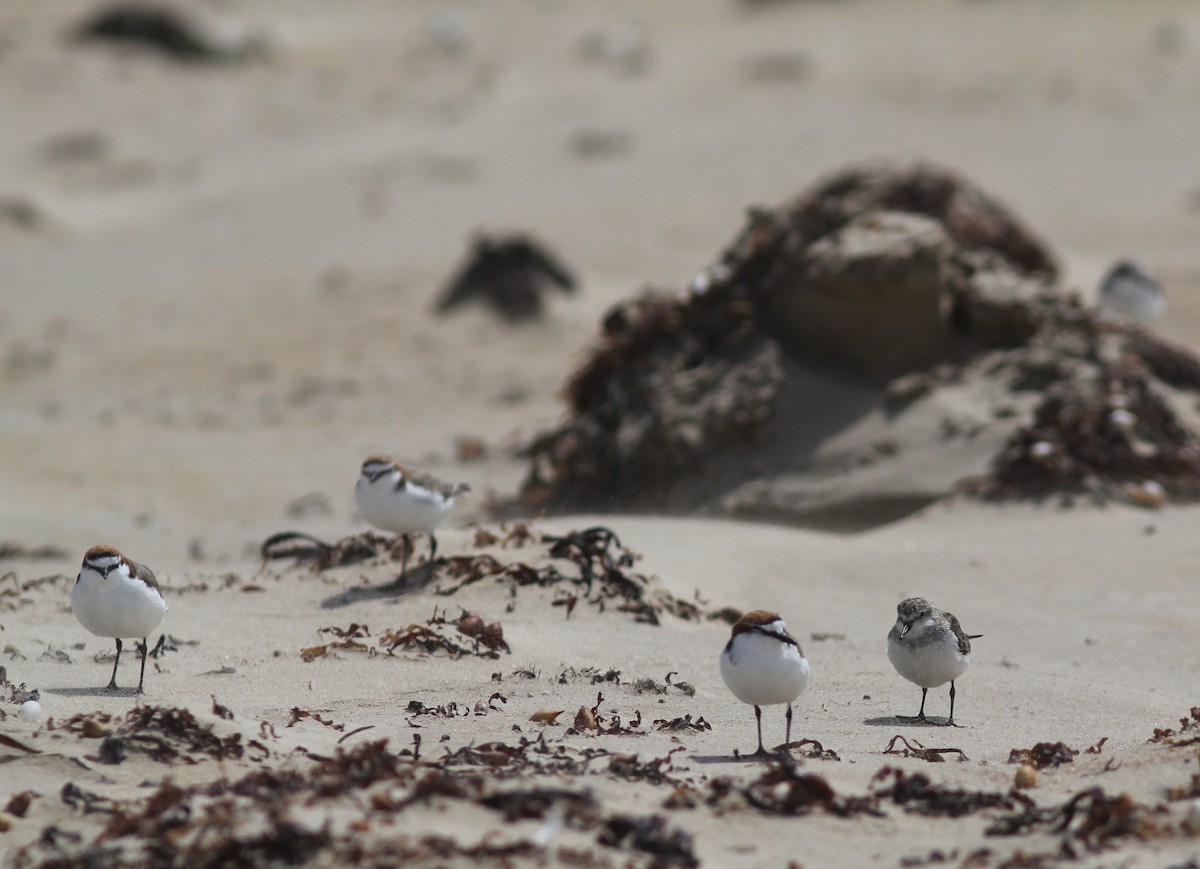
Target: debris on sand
872,294
1043,755
266,817
1188,733
1108,424
323,556
599,575
164,30
879,270
511,274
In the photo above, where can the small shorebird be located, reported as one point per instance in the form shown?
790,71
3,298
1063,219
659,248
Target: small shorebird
115,597
394,498
928,647
1128,290
762,665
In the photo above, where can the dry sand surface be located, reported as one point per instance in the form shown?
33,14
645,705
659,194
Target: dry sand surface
217,292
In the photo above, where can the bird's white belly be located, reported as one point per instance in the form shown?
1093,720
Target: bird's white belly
763,671
405,511
930,665
111,608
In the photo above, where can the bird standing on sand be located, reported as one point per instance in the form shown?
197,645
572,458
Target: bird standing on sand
115,597
394,498
762,665
928,647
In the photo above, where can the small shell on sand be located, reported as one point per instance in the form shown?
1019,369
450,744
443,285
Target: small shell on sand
1147,494
1026,777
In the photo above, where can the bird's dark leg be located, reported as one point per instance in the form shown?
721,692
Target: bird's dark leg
144,649
112,683
758,718
787,739
404,558
432,547
950,720
921,714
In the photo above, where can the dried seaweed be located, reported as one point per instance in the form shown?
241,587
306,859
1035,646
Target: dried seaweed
675,380
605,724
348,641
685,723
915,792
1091,818
76,797
1044,754
816,751
15,551
650,834
602,577
655,771
535,803
165,30
593,675
15,594
916,749
319,555
520,534
1189,725
168,735
528,756
15,694
783,790
8,742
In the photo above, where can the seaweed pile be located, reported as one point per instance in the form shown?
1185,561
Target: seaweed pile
901,280
320,813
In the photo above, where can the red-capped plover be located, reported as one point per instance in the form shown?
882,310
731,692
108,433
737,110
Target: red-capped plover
762,665
115,597
394,498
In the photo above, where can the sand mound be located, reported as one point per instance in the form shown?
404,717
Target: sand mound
851,357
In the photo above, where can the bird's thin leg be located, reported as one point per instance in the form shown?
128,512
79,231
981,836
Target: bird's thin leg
432,547
112,683
144,649
758,718
950,720
404,558
921,714
787,739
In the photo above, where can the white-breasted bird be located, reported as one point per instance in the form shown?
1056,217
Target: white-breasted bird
928,647
395,498
115,597
763,665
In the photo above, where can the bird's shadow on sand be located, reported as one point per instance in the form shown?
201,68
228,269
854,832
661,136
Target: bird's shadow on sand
416,580
92,692
733,758
904,721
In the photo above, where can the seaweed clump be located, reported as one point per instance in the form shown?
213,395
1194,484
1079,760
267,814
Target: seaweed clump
880,270
874,289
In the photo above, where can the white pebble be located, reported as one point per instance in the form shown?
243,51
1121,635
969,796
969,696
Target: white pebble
31,711
1122,419
1042,450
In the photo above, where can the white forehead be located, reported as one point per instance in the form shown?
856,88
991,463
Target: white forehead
376,467
776,627
103,561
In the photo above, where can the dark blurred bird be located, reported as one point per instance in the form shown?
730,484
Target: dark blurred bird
510,273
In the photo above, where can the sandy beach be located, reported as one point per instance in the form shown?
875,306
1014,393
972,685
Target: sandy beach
219,283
